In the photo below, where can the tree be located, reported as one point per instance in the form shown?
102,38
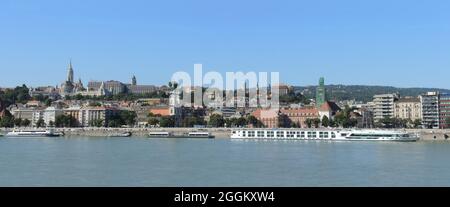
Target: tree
122,118
216,120
114,123
344,119
153,121
128,117
18,122
40,123
254,121
95,104
51,124
25,122
96,123
294,98
316,122
192,121
7,121
309,122
65,121
167,121
388,122
325,121
230,122
332,123
241,122
20,94
48,102
284,121
78,97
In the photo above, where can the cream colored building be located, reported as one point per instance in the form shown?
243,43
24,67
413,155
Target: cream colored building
408,108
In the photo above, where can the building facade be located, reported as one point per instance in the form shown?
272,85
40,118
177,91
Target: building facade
408,108
22,113
50,114
444,110
300,115
430,110
90,114
269,117
383,106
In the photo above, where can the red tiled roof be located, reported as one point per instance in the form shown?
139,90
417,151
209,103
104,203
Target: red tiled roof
329,106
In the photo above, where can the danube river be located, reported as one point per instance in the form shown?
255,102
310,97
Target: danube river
220,162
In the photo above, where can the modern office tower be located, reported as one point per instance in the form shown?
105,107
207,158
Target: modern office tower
430,110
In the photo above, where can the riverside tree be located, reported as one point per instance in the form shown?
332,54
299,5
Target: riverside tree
25,122
309,122
40,123
316,122
167,121
344,119
18,122
325,121
252,120
96,123
153,121
128,117
65,121
216,120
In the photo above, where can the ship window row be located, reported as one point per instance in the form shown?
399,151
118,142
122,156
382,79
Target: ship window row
288,134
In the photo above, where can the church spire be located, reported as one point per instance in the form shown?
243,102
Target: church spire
70,72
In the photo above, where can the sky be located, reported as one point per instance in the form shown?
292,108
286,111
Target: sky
403,43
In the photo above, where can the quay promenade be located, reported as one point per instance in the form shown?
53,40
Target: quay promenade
425,134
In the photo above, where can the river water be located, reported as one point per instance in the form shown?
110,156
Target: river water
220,162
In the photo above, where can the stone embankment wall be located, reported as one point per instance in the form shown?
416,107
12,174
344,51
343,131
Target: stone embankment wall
425,134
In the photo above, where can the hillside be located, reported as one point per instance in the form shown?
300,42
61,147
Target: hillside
362,93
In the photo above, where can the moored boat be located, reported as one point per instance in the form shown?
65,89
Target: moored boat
200,135
160,134
185,135
34,133
124,134
330,135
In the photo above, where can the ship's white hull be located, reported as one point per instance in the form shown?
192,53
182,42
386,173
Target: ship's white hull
32,134
330,135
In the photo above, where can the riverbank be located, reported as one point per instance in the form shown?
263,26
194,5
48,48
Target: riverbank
425,134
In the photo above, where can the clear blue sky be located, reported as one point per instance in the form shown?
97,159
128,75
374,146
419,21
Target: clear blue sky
402,43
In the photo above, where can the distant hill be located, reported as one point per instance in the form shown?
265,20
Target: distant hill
362,93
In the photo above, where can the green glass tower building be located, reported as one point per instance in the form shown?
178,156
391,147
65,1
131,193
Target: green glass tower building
321,93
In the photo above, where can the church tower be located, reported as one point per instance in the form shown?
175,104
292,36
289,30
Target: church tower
133,81
70,73
68,86
321,96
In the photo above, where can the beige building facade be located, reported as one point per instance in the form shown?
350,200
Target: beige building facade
408,108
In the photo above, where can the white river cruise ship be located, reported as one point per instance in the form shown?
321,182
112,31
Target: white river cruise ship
331,135
34,133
